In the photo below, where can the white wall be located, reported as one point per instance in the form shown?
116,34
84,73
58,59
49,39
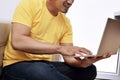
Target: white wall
88,19
7,9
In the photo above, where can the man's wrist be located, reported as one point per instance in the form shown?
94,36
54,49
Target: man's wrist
58,50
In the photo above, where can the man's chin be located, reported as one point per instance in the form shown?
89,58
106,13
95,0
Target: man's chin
65,11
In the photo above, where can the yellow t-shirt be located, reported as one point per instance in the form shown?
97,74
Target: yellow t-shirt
44,28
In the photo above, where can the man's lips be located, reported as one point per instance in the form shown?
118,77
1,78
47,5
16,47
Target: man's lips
66,5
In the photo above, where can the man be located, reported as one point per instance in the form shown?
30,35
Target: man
39,30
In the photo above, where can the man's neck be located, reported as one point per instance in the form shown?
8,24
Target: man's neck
51,8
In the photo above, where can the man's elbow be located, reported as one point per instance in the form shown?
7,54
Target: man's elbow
15,45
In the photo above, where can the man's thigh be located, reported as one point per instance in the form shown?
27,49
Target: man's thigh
43,70
74,73
33,70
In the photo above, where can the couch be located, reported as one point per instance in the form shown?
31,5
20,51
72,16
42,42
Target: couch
4,33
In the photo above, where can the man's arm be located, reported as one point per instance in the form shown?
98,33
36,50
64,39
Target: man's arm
21,40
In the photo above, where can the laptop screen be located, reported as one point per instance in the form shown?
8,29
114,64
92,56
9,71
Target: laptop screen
110,41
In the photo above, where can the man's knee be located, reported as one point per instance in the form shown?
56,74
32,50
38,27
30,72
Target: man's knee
92,72
88,73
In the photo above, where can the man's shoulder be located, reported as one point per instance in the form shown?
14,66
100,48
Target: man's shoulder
32,2
63,16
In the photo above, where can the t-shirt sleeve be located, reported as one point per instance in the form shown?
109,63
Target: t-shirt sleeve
24,12
68,35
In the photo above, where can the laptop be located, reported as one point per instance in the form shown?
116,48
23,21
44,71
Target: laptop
110,41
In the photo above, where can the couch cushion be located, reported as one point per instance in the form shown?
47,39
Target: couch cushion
4,32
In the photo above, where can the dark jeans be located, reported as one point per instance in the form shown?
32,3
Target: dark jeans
43,70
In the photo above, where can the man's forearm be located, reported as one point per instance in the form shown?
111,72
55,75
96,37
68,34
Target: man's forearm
27,44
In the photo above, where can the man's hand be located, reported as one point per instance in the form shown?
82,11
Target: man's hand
70,50
73,50
87,61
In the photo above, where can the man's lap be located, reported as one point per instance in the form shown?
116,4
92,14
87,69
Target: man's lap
44,70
